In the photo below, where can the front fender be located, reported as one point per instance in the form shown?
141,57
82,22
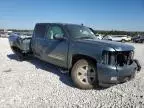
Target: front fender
85,50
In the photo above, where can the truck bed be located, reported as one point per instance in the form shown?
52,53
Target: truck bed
20,42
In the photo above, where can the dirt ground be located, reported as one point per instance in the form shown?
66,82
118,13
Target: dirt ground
35,84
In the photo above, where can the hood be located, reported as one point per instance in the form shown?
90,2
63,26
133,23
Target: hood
117,46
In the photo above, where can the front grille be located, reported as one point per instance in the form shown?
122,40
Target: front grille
119,58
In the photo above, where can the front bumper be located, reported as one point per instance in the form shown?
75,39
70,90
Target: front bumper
111,75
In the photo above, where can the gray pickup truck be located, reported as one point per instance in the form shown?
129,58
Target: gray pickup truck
91,62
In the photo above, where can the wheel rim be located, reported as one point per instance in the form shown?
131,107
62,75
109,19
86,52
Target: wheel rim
86,74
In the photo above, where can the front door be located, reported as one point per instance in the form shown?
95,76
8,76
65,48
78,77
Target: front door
55,51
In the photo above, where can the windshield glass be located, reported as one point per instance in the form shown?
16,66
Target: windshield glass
80,32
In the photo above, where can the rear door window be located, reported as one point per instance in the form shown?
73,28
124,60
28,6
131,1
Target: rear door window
40,30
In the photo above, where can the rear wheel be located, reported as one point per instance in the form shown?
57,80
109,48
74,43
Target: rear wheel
84,74
21,56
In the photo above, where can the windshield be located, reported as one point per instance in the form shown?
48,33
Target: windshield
80,32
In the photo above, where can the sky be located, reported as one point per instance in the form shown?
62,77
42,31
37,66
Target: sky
125,15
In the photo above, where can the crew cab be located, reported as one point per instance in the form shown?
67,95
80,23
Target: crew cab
90,62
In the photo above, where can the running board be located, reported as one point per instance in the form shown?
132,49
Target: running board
63,70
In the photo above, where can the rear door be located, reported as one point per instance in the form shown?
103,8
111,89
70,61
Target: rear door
38,40
55,51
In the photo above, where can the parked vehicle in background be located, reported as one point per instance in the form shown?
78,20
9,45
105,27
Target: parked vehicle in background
99,36
91,62
118,38
108,37
4,35
138,39
23,33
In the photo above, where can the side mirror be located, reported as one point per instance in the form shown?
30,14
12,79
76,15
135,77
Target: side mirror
59,37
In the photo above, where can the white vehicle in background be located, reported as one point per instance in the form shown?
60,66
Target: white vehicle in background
99,36
118,38
5,33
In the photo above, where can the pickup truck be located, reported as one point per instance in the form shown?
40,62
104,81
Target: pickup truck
90,62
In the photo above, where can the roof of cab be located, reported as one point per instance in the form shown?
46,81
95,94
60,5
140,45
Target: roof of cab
61,24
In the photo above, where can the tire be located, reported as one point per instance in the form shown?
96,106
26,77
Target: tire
123,41
110,39
142,41
84,74
21,56
133,41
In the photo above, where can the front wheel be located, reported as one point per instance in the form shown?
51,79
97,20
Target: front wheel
84,74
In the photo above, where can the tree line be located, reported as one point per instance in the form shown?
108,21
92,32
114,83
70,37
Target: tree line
129,33
104,32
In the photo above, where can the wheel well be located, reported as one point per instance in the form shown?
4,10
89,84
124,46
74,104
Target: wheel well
77,57
15,49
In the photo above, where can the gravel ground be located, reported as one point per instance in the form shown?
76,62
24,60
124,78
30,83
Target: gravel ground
33,83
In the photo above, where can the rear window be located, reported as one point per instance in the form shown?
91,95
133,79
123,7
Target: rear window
40,30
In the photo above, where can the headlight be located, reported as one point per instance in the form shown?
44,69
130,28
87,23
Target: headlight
108,58
117,58
132,54
105,57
